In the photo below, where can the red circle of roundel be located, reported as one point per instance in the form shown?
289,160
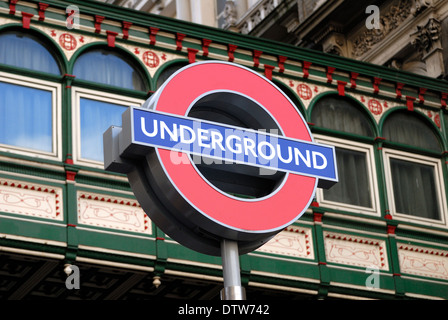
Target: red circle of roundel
270,213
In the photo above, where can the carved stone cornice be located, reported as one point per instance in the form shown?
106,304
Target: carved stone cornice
253,17
420,5
389,21
229,14
426,38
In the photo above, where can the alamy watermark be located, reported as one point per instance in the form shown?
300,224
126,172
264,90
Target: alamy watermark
73,277
373,280
72,20
373,20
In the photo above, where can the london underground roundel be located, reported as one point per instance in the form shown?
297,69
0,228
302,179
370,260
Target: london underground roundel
219,152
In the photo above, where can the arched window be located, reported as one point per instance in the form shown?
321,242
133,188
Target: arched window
24,50
406,128
108,67
96,110
341,114
415,178
357,187
29,106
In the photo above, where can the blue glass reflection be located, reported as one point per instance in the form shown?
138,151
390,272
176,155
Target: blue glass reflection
108,68
96,117
25,51
26,117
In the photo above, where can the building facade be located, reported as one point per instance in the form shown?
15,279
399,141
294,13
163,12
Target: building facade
407,35
67,72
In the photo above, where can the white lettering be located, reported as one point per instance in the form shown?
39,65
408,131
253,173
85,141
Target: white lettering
145,132
238,148
324,162
183,136
164,128
262,153
298,154
202,135
280,154
249,145
216,139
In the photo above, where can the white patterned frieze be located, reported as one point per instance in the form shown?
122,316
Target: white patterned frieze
423,261
112,212
355,251
293,242
31,199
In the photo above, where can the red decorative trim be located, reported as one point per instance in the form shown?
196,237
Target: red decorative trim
70,175
396,275
306,69
125,29
317,216
376,85
322,263
12,6
421,250
296,230
398,87
356,240
42,8
26,19
179,38
391,229
71,225
268,71
421,94
160,238
388,216
341,87
152,35
231,51
330,71
111,35
443,99
110,200
410,103
256,57
68,159
30,187
353,77
314,204
281,63
205,45
98,21
69,78
192,54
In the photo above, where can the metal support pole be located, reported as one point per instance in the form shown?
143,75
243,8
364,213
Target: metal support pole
231,271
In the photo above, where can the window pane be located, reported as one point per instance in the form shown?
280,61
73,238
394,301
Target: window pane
407,128
341,114
109,68
26,51
415,191
26,117
96,117
354,183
